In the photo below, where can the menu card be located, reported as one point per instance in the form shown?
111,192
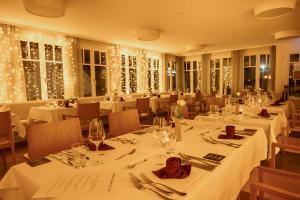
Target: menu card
78,183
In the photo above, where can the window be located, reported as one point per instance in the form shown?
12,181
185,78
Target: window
54,71
294,72
153,74
94,72
264,71
128,74
132,74
249,72
192,76
227,75
171,76
215,75
31,65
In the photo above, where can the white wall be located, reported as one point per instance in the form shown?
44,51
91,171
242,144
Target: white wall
283,50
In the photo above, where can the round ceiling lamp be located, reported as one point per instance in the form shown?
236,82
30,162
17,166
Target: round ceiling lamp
45,8
194,47
148,34
287,34
269,9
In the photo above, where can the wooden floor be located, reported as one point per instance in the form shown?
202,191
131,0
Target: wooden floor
288,161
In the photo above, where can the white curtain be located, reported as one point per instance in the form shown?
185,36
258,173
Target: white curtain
12,87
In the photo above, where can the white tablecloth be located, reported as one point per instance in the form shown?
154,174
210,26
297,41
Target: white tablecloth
117,106
272,127
49,113
20,128
223,183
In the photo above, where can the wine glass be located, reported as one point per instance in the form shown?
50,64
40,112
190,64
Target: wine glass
156,126
96,132
174,112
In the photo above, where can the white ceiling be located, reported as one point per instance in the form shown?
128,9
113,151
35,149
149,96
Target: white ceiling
219,24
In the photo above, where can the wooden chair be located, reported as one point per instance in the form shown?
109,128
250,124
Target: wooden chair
285,143
164,108
86,112
220,102
6,136
48,138
274,184
208,101
123,122
143,108
173,99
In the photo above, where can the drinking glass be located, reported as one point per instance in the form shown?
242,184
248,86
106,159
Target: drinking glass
174,112
79,155
96,132
170,141
158,124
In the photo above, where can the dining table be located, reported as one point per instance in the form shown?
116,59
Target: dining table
223,182
272,125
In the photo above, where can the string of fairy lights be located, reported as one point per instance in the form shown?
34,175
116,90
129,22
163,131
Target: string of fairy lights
226,74
36,65
129,70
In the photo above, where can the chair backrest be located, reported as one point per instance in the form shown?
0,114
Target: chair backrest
198,96
208,101
88,111
142,105
123,122
220,102
275,184
173,98
5,125
286,139
44,139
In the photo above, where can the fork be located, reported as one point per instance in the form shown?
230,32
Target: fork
225,143
150,182
129,153
133,165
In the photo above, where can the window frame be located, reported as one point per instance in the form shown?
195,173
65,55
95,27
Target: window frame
93,66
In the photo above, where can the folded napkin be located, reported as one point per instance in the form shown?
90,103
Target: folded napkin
235,137
102,147
173,169
264,113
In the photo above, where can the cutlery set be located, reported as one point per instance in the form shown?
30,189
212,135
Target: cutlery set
201,163
131,166
214,141
162,190
125,140
129,153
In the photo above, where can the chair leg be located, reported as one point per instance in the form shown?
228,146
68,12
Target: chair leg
13,153
3,159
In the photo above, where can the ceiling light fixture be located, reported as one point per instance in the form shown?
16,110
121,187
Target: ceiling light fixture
287,34
148,34
194,47
269,9
45,8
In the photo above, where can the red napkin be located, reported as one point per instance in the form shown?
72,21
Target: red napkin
264,113
101,147
173,169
